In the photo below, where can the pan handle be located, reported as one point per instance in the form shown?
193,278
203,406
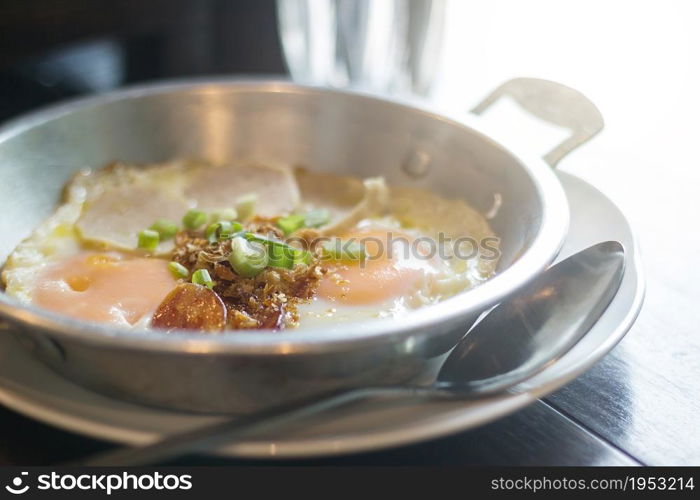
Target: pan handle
555,103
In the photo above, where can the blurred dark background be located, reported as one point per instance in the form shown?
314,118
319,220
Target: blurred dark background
55,49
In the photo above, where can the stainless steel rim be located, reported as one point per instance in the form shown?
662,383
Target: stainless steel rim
543,250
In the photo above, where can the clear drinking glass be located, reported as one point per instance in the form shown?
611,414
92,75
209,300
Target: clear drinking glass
385,46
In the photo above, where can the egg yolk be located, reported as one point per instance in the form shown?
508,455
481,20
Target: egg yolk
384,275
108,288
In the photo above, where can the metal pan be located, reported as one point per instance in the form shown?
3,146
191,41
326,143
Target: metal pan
278,122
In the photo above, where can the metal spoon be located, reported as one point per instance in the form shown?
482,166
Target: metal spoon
516,340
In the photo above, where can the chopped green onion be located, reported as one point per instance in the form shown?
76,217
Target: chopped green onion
194,219
229,214
248,259
222,230
281,256
178,270
245,205
201,277
317,218
314,218
148,239
279,253
290,223
165,228
302,257
338,250
262,239
210,232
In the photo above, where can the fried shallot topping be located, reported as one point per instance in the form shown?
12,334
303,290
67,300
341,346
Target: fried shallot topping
267,300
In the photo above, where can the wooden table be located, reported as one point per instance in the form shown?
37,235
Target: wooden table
641,404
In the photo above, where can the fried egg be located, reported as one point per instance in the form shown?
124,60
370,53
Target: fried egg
400,272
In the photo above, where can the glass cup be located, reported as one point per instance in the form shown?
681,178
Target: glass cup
383,46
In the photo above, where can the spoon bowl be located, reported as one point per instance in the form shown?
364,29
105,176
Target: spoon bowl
523,335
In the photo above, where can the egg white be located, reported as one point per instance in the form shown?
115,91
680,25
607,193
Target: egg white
54,239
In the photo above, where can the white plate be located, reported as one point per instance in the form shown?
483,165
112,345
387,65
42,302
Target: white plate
29,387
